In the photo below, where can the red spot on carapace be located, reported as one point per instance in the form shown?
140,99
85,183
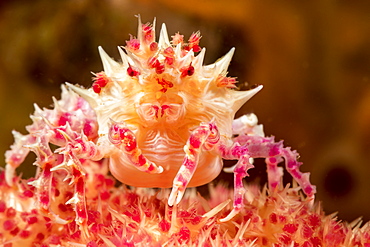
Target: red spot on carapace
132,71
153,46
24,234
10,212
148,32
154,63
96,88
2,206
160,69
169,55
8,225
187,71
133,44
193,43
100,81
165,84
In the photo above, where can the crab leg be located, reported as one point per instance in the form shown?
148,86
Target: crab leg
16,155
266,147
274,173
45,161
246,147
203,137
124,139
240,172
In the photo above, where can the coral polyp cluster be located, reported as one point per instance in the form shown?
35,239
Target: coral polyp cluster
119,216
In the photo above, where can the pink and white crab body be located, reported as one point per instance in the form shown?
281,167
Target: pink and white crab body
161,118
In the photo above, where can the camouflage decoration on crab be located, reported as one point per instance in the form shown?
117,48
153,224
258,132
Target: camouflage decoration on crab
161,118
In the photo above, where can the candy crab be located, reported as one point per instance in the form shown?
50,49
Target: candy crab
160,118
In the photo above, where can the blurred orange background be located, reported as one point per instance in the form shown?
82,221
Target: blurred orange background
313,58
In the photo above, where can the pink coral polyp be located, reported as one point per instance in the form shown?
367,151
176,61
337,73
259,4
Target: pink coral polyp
118,216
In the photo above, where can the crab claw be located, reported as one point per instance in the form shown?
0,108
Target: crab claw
125,140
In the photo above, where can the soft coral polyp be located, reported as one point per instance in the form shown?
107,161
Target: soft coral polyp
140,217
